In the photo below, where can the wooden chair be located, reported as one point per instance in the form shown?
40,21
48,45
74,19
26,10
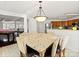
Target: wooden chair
22,47
62,44
54,48
26,35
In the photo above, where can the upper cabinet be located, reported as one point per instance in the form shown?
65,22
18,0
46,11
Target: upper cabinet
64,23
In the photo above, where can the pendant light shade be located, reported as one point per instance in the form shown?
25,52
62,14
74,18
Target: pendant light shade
39,17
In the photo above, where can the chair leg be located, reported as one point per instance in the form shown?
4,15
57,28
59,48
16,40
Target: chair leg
62,53
59,53
22,55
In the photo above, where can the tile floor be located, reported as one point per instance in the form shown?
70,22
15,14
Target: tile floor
13,51
10,51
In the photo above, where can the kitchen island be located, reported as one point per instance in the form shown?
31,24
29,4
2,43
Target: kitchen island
73,41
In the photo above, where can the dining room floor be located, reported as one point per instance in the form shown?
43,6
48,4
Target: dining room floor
13,51
10,51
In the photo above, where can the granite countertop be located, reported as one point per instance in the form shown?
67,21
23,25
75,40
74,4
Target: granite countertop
61,29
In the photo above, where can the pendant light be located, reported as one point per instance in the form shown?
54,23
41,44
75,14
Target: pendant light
39,17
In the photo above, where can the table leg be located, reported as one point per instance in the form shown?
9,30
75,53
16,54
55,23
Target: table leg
8,37
13,37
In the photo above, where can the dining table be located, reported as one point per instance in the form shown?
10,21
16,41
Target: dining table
39,41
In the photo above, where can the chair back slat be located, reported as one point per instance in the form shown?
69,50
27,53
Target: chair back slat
21,45
54,47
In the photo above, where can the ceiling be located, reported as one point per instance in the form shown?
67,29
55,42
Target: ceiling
10,18
53,9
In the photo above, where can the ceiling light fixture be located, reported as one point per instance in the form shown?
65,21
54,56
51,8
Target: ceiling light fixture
39,17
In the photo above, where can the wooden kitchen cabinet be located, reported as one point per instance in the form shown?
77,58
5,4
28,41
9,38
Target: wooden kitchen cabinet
64,23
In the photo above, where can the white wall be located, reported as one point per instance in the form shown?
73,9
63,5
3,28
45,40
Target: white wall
35,26
25,23
32,25
41,26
